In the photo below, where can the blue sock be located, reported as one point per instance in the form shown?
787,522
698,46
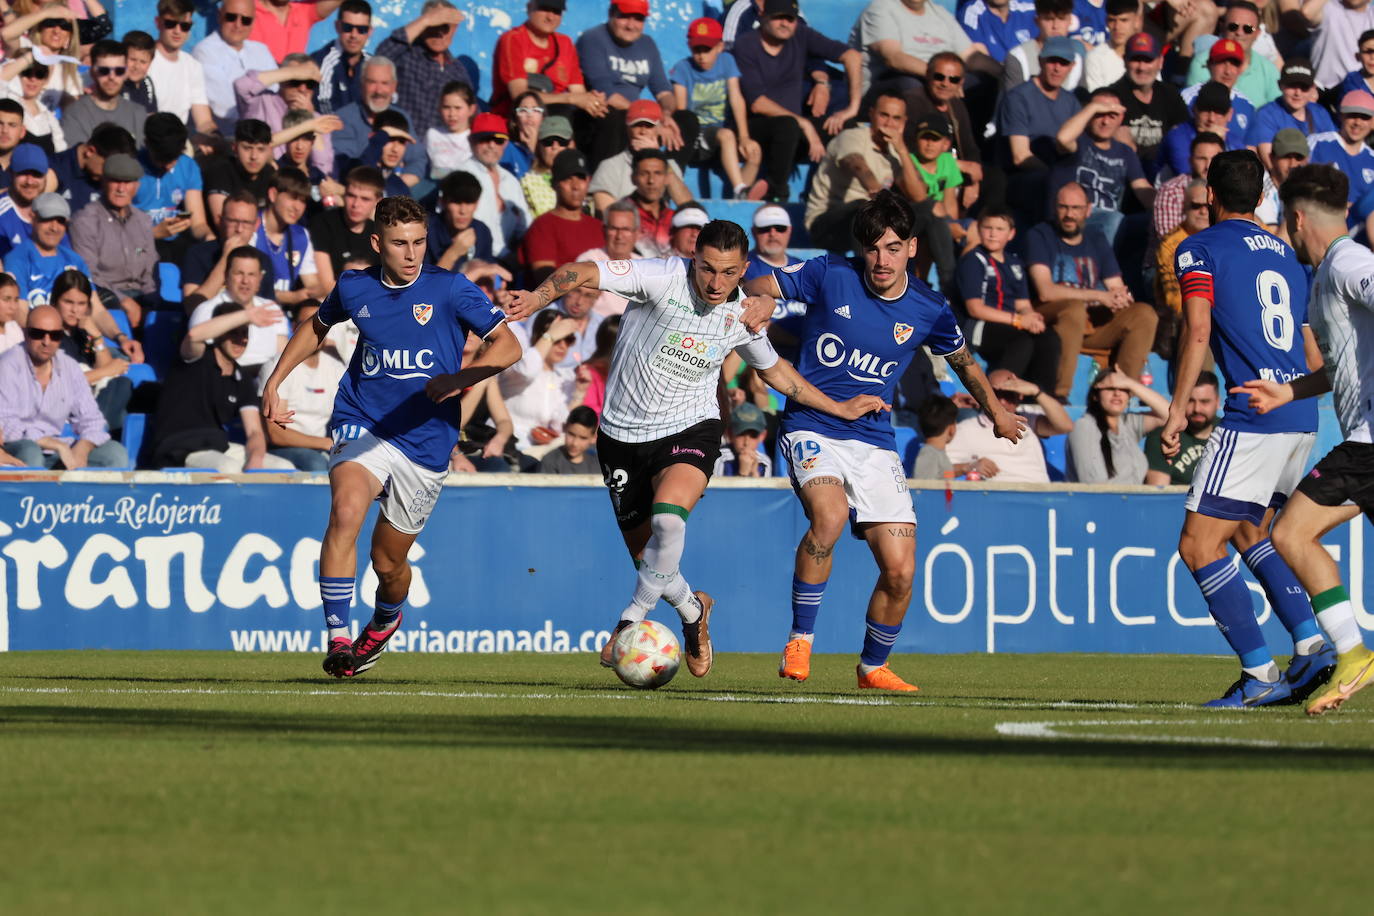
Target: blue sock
1228,601
386,614
1286,595
806,603
337,594
878,640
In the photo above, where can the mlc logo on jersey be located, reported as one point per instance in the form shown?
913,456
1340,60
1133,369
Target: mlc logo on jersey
422,312
830,351
901,332
374,362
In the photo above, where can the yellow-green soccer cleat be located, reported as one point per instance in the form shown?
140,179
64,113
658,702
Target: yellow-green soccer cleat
1354,672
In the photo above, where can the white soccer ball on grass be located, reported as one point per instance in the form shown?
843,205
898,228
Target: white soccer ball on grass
646,655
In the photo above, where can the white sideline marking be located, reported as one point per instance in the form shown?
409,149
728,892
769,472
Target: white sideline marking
1051,730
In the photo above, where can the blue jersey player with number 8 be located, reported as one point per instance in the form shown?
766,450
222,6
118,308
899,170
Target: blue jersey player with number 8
1245,293
865,322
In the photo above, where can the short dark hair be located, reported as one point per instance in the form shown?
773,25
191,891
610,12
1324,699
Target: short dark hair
11,106
643,155
1366,35
455,87
723,235
138,40
393,211
390,118
108,138
1100,91
1207,137
1207,377
370,177
1323,185
1236,178
105,47
460,188
1241,5
541,321
945,57
1055,8
251,130
1122,7
888,92
888,210
361,7
291,181
582,415
996,212
175,8
164,134
68,280
242,252
7,279
241,196
935,415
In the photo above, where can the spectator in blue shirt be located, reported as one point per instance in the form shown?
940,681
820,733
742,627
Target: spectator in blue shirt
341,61
37,261
1362,77
1211,115
1029,118
1103,165
424,65
170,192
28,165
999,25
1290,109
1345,148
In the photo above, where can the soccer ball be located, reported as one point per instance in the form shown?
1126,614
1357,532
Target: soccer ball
646,655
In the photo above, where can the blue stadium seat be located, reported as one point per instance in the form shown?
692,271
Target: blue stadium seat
140,373
908,444
162,333
1082,379
135,425
1155,365
1056,461
169,281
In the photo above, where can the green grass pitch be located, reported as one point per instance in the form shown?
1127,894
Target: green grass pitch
187,783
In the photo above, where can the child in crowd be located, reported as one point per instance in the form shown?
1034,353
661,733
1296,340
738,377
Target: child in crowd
577,454
449,147
454,234
940,171
386,150
938,418
707,84
12,308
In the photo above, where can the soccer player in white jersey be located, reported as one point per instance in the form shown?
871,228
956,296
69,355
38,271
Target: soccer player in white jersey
393,423
1245,295
866,321
1341,486
661,424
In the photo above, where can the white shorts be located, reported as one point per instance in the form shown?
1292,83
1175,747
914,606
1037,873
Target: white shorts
409,491
1241,475
873,479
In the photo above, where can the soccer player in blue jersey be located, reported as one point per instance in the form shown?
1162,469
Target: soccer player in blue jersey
393,423
1245,294
865,321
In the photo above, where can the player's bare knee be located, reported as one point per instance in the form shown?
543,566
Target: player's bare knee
896,579
827,528
387,567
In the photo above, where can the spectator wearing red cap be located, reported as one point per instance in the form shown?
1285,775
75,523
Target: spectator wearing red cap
774,63
1106,63
1258,78
621,62
501,207
1346,150
613,178
561,234
424,63
707,85
1153,106
1225,62
537,48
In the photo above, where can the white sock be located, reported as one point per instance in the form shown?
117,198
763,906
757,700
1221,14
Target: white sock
679,595
868,669
1338,621
1269,673
809,637
634,613
659,564
1309,645
338,633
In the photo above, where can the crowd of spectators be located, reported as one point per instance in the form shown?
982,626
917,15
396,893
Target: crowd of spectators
1054,153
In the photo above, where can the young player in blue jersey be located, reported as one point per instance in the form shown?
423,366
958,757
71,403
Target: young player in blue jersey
393,424
1245,294
865,321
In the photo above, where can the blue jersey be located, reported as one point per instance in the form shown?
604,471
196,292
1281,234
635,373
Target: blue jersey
855,342
14,229
409,335
1258,292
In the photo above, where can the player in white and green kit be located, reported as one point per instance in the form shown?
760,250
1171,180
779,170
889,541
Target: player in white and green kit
1341,486
661,424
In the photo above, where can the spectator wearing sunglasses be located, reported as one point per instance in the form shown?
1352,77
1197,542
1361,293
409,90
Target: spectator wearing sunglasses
43,389
41,126
1347,150
1022,461
772,234
424,63
555,136
1258,78
105,102
341,61
942,93
1168,295
284,25
1104,446
179,79
900,36
297,81
55,36
228,54
138,86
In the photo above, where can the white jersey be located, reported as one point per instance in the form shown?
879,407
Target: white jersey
1342,317
671,346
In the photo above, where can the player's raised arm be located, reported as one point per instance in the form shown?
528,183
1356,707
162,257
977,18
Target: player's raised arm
562,281
308,338
783,376
1005,424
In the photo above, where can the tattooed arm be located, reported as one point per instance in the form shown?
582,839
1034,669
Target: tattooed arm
562,281
1005,424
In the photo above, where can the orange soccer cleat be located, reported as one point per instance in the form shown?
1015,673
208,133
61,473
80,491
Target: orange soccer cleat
883,679
796,659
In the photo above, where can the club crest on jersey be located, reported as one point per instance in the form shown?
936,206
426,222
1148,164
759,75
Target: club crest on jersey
729,322
618,267
1186,259
901,332
793,268
422,311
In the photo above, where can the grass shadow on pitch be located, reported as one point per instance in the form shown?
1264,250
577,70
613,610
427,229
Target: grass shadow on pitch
633,733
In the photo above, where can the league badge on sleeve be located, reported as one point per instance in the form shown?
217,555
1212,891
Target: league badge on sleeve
901,332
422,311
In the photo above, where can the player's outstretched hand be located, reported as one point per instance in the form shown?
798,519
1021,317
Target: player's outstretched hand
274,408
1265,395
756,313
523,304
442,387
862,404
1168,436
1009,426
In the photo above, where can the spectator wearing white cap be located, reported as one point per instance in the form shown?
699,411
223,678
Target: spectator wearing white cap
621,231
1345,148
686,226
38,260
772,234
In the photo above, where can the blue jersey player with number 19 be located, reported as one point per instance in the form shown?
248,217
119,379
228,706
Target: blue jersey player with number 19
865,322
1245,293
393,423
